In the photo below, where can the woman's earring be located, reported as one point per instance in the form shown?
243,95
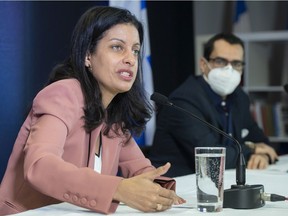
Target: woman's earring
90,68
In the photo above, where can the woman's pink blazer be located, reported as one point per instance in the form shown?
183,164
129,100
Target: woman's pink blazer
49,160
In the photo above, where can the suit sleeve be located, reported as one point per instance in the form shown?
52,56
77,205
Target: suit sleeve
255,134
189,132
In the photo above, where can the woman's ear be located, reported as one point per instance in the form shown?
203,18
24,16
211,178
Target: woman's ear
88,60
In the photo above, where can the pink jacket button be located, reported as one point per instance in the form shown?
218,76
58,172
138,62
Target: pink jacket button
92,203
83,201
75,198
66,196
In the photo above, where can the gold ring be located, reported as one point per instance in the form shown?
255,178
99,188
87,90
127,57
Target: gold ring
159,207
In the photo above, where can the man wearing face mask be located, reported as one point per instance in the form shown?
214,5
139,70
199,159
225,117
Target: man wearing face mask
217,98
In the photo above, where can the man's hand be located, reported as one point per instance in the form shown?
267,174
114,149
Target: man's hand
258,161
262,148
140,192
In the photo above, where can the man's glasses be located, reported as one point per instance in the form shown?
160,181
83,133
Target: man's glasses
222,62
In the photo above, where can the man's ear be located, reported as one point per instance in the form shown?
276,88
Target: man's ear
203,65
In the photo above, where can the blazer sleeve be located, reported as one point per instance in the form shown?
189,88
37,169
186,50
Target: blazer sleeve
133,162
56,110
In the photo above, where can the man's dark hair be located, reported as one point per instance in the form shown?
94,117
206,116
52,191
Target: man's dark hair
228,37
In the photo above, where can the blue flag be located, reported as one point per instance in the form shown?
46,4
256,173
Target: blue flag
241,17
138,8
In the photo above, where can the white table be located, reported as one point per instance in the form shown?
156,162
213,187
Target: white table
274,179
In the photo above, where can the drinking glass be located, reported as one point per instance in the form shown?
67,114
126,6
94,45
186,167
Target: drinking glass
210,167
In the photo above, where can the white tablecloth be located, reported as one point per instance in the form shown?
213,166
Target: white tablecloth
274,179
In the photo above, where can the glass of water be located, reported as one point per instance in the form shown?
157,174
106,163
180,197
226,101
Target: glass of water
210,166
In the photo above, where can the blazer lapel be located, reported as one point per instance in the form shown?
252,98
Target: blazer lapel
95,134
235,123
216,120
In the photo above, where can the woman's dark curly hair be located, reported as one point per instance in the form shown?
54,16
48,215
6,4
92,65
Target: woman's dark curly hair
128,111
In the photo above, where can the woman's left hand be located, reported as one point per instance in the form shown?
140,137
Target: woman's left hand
140,192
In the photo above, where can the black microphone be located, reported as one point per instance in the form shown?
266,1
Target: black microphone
240,196
286,87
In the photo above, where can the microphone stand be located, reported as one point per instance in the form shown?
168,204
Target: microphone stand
239,196
286,87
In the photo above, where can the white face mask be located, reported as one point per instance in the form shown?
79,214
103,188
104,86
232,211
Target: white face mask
224,80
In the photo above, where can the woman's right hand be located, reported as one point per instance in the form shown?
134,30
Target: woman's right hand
140,192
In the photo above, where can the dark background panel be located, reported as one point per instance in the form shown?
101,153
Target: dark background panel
172,43
34,36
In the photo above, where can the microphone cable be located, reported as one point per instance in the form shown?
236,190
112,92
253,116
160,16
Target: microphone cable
273,197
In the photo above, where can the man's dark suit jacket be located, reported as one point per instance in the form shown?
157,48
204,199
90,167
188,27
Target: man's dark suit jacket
177,134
